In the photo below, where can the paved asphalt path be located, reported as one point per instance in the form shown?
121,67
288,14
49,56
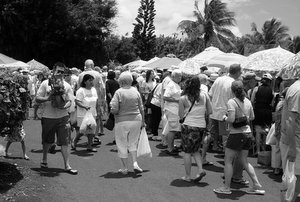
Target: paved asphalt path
98,179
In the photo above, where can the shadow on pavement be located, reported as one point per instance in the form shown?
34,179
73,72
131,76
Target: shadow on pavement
118,175
164,154
113,150
110,144
182,183
49,172
83,153
270,173
160,146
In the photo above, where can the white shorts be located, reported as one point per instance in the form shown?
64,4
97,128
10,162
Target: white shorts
127,135
173,121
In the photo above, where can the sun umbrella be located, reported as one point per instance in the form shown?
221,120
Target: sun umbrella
224,60
141,67
291,69
6,60
35,65
164,63
207,54
15,66
190,66
134,64
267,61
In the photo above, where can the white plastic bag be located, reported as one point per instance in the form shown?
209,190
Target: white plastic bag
165,125
88,125
271,139
289,182
143,148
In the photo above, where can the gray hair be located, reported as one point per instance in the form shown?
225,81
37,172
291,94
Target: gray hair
176,72
203,78
125,79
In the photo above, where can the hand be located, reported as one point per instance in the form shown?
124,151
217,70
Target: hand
143,124
87,108
291,156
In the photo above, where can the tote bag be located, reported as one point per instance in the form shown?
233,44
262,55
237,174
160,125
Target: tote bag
289,182
143,148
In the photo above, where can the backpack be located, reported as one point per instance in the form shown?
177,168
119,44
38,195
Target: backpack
150,96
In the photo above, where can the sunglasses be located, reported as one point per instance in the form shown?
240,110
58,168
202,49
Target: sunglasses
60,71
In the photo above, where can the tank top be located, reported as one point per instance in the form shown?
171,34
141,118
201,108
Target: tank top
196,117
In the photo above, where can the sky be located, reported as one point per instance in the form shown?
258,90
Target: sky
170,12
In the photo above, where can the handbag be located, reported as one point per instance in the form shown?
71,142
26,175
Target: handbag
143,148
110,122
271,139
240,121
289,182
149,98
183,118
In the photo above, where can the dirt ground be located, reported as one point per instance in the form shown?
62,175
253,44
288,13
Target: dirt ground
20,183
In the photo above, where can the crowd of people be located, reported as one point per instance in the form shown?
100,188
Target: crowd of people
229,113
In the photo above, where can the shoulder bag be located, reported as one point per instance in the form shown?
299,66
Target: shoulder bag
149,98
183,118
240,121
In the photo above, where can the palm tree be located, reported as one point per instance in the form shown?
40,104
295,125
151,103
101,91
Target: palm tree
212,25
273,33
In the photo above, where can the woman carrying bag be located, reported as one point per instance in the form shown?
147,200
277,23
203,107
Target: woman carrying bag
193,106
240,112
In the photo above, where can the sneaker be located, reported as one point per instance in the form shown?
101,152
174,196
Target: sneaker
257,191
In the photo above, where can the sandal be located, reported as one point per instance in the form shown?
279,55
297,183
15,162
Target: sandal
91,150
44,165
240,181
207,163
199,177
26,158
71,171
222,190
184,178
258,191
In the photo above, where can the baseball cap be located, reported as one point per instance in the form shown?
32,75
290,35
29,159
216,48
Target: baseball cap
267,76
251,75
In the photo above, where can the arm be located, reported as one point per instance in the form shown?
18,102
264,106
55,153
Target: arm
231,112
208,105
114,103
182,104
141,108
290,131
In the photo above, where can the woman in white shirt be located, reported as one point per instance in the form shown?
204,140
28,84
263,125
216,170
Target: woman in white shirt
239,140
86,100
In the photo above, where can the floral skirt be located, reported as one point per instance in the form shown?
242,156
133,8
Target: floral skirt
17,135
191,138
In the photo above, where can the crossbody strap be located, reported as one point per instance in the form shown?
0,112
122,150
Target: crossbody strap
239,107
190,108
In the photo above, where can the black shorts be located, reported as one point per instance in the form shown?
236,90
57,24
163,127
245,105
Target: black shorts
239,141
60,126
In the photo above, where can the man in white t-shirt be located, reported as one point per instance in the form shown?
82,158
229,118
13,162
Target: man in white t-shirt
55,119
220,93
290,130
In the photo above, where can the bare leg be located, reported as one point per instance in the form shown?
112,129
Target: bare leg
228,169
124,162
170,140
187,165
198,159
249,169
205,146
24,150
45,152
90,140
7,147
65,154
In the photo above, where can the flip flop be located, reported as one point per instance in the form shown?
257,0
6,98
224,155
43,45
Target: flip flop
199,177
44,165
71,171
208,163
222,190
184,178
91,150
